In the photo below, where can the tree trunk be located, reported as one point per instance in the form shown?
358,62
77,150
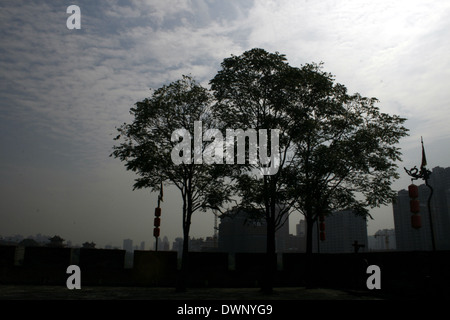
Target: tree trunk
309,268
270,268
271,262
182,276
309,234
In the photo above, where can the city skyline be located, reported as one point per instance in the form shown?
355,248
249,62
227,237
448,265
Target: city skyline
150,240
64,91
400,212
287,242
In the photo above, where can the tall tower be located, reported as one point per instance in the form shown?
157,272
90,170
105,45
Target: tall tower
128,245
343,228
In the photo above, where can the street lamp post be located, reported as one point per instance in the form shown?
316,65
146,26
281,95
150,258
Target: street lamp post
424,174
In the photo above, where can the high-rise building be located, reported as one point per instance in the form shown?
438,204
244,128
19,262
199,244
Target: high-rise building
343,230
382,240
177,246
301,228
238,233
165,244
410,239
128,245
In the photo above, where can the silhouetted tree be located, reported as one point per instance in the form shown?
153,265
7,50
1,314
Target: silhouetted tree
150,145
345,149
337,151
29,243
252,93
56,242
88,245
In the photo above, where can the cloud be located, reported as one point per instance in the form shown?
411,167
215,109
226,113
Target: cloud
390,50
64,91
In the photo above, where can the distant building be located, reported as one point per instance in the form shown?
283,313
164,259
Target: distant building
195,245
342,229
383,240
210,244
142,246
128,245
410,239
238,233
300,228
296,243
165,245
177,245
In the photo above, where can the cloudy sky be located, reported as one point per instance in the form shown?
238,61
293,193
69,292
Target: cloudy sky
63,92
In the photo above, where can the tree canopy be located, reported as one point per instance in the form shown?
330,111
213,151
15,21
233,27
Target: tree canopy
337,150
149,144
332,150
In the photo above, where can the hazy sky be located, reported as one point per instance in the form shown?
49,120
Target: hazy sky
63,92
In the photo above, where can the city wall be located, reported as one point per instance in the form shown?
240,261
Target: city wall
401,272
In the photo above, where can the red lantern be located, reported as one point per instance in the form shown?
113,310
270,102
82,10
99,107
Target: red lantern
322,226
321,217
416,222
157,222
157,212
322,236
414,205
413,191
156,232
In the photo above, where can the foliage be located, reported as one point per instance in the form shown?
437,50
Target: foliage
345,148
147,148
338,151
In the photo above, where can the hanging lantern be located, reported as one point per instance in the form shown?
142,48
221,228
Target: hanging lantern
322,226
416,222
322,236
157,212
157,222
414,205
413,191
156,232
